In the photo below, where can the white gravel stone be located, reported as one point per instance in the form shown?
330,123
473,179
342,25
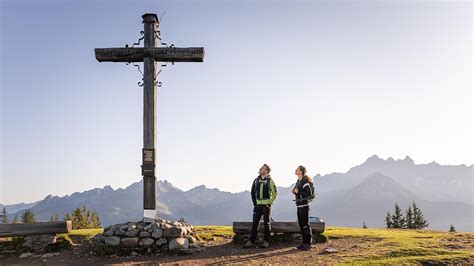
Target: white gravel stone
178,244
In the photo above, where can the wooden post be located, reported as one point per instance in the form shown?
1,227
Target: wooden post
150,22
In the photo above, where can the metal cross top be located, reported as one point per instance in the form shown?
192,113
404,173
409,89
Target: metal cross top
149,54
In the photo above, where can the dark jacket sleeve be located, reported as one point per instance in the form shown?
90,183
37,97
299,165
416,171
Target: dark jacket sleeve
305,190
252,192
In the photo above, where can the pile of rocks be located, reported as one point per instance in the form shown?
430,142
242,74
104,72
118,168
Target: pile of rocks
39,243
45,243
138,237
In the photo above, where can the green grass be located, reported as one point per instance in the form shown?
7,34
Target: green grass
81,235
386,245
394,246
408,246
214,232
86,232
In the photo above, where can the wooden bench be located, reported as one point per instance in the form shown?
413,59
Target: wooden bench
9,230
277,227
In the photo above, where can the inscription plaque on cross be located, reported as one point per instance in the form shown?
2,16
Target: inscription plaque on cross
149,55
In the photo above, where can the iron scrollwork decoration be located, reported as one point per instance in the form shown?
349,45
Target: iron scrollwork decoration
142,33
140,83
139,40
158,36
159,83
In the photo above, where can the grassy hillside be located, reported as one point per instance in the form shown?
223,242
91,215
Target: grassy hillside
408,246
388,245
373,245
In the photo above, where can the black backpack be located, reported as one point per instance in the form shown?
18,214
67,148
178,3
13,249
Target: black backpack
312,196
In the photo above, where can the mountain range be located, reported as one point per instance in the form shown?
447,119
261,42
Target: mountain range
363,194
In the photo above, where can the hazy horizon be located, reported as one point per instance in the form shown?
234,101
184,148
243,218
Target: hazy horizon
187,189
325,84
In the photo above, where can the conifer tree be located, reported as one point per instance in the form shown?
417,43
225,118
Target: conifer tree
77,219
451,229
419,221
95,220
364,225
28,217
4,216
398,221
409,219
388,220
87,220
83,218
16,220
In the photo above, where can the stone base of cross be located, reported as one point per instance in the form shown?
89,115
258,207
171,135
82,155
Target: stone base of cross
149,55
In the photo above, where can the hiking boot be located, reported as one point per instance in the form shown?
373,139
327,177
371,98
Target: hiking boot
249,244
300,246
265,244
306,247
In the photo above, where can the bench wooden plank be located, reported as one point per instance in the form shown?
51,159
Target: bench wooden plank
277,227
41,228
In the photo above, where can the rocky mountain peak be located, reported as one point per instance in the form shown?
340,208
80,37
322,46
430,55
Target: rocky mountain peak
408,160
374,159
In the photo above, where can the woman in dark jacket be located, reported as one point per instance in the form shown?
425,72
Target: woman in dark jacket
303,191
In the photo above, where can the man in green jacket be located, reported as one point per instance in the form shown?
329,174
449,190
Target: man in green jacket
263,193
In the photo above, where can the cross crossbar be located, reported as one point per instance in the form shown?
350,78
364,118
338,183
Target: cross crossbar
161,54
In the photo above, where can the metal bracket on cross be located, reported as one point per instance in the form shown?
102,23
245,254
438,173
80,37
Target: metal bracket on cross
157,36
159,83
139,40
140,83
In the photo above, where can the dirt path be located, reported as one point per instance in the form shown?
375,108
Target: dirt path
217,252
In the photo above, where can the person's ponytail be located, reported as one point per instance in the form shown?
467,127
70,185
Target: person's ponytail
305,175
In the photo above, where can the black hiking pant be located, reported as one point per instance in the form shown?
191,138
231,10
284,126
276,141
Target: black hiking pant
303,221
259,211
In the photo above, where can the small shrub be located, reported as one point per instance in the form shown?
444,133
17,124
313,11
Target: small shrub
452,229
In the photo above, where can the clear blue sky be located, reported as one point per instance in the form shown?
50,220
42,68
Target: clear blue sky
323,84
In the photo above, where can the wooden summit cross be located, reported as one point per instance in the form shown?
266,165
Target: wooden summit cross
149,55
